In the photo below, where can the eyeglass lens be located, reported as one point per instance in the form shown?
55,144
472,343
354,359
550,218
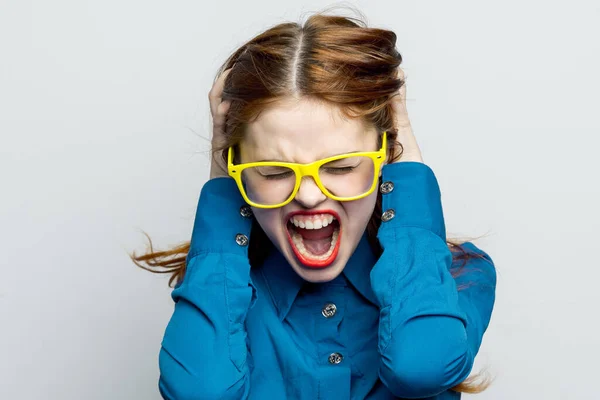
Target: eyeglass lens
347,177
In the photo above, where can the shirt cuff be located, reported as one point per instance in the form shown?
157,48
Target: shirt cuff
411,197
223,220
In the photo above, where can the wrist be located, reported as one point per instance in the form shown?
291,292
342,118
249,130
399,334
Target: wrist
412,198
222,223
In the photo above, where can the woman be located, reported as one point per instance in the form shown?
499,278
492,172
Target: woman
318,266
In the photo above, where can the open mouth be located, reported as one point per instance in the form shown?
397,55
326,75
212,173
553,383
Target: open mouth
314,237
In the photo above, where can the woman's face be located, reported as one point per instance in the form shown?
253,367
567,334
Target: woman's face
317,235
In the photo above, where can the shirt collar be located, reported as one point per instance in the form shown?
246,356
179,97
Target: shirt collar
284,283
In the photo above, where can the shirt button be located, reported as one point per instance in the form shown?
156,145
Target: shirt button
386,187
388,215
335,358
241,240
329,310
246,211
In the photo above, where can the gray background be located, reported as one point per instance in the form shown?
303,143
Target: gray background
103,120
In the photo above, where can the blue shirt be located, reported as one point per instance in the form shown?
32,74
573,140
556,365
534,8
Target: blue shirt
399,328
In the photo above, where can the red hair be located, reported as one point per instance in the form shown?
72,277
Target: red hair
333,59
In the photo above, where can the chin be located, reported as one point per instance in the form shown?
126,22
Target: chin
319,275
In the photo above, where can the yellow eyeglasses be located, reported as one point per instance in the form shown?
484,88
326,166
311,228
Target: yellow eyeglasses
272,184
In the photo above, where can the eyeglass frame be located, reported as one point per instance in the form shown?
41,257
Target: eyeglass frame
309,169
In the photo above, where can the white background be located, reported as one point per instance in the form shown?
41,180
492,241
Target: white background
103,120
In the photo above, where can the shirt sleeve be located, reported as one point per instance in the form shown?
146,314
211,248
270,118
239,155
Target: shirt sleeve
429,331
203,353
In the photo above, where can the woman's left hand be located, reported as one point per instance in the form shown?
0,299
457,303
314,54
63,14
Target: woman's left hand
405,133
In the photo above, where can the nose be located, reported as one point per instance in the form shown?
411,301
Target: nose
309,195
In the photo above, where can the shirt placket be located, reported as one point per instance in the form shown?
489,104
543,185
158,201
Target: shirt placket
333,355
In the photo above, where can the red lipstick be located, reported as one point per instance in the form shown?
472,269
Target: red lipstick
304,259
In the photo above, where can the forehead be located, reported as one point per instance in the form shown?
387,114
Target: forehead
303,130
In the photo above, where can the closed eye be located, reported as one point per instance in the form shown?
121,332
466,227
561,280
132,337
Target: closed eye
339,170
282,175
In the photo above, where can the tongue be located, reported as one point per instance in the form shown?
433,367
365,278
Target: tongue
317,247
317,241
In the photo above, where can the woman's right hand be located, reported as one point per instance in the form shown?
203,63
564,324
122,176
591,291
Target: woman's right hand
218,110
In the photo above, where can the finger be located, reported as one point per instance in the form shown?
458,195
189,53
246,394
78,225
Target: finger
402,90
216,92
400,73
219,117
400,112
399,101
401,118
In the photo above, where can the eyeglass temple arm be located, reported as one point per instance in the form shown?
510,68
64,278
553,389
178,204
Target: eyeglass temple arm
230,156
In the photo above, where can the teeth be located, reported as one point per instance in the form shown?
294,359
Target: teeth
312,222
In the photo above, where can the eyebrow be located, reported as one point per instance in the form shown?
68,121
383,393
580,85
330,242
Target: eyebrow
284,161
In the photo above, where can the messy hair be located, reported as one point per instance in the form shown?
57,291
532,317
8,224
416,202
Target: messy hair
337,60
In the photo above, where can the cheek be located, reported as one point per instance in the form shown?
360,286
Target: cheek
359,212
